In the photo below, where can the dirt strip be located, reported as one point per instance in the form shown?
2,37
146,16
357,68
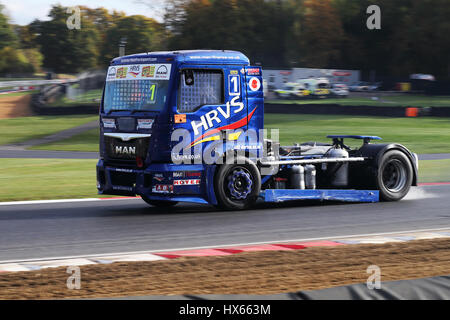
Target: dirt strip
15,106
265,272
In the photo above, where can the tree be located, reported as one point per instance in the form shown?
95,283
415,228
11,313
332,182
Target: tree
421,41
142,35
255,27
14,61
7,35
321,34
67,50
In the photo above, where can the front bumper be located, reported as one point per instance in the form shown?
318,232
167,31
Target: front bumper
170,182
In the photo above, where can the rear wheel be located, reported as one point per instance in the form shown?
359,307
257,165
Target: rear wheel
394,176
159,203
237,186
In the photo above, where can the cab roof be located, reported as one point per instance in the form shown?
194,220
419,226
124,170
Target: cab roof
185,56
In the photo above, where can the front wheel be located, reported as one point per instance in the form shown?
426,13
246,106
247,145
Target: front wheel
394,176
237,185
159,203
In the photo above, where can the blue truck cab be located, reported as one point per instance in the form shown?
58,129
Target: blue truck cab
187,126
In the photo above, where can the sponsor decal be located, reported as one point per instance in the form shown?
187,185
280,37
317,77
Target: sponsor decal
112,73
216,115
162,71
234,72
121,73
139,72
145,123
254,84
253,71
193,174
134,70
180,118
109,123
182,174
148,71
184,157
247,147
125,150
187,182
162,188
159,179
138,60
233,126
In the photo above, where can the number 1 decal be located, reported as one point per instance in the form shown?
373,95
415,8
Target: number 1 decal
234,85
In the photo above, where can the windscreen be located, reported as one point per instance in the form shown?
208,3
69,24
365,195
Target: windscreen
136,87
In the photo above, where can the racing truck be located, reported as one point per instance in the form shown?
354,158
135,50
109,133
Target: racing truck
188,126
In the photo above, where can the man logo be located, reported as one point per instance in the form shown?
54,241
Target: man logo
126,150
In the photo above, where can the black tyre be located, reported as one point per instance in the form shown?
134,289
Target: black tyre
159,203
394,176
237,185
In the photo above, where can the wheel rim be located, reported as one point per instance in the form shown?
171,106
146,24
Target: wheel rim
239,183
394,176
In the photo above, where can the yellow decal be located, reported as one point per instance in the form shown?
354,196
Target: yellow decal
231,137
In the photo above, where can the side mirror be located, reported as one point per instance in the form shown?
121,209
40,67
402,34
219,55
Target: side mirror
188,77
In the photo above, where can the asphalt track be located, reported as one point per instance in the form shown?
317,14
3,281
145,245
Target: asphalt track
45,230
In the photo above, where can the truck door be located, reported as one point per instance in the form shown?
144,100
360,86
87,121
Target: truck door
210,102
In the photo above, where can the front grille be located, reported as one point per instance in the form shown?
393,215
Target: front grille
127,179
126,150
126,124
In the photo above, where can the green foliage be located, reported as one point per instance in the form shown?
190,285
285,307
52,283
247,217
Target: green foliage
255,27
142,35
7,35
67,50
14,61
277,33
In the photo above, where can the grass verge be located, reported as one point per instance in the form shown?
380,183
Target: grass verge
434,171
421,135
36,179
86,142
26,128
382,101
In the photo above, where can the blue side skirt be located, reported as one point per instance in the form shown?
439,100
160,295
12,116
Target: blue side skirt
280,195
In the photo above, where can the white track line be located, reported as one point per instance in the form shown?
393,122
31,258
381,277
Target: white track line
12,203
223,246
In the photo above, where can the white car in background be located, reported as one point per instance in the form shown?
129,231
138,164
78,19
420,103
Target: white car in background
340,90
292,90
359,86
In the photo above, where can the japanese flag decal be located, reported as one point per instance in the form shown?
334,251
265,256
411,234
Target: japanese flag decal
254,84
